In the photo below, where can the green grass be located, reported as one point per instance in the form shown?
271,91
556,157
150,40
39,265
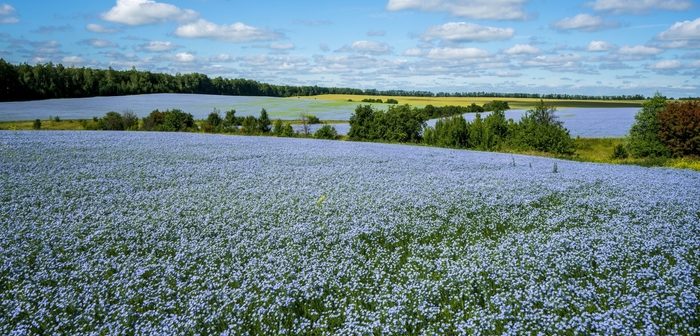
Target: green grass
515,103
51,125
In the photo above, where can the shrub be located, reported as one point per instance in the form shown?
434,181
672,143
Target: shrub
398,124
392,101
112,121
37,124
539,129
312,119
619,152
130,120
168,121
679,128
326,132
264,122
644,135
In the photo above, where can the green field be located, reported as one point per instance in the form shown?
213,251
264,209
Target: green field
515,103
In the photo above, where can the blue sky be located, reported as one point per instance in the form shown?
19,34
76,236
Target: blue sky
548,46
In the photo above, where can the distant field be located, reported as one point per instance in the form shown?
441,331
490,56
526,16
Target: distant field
516,103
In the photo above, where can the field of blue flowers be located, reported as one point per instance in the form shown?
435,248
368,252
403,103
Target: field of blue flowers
154,233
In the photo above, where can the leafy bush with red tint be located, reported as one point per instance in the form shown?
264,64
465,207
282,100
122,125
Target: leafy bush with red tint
679,127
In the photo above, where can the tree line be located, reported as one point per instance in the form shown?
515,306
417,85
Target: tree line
664,129
45,81
538,130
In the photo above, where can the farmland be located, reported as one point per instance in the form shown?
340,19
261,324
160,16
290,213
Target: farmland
136,232
516,103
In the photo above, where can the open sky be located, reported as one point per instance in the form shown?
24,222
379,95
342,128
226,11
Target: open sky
544,46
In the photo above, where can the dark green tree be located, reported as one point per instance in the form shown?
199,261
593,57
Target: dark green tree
264,122
644,139
326,132
112,121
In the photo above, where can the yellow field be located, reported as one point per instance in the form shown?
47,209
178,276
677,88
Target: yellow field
516,103
69,125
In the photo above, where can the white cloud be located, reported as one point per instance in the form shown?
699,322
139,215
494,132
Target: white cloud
476,9
236,32
141,12
367,48
7,14
282,46
96,28
466,32
599,46
585,22
157,46
560,61
185,57
639,50
637,6
684,30
666,65
520,49
72,60
457,53
413,52
99,43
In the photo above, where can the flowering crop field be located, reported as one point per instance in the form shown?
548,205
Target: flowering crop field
154,233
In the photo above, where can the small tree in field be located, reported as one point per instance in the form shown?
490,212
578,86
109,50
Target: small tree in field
37,124
326,132
644,135
264,122
679,128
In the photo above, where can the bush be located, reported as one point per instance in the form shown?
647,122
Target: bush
130,120
619,152
539,129
392,101
37,124
398,124
168,121
112,121
644,138
679,128
326,132
312,119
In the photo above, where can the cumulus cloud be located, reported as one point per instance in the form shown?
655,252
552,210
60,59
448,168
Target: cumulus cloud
367,48
639,50
555,62
413,52
599,46
236,32
637,6
141,12
475,9
521,49
97,28
666,65
467,32
72,60
584,22
184,57
8,14
682,31
157,46
282,46
457,53
98,43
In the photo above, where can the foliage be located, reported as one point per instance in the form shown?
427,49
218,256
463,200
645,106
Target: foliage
44,81
644,135
400,123
168,121
112,121
130,120
392,101
312,119
264,122
213,122
433,112
372,100
496,105
326,132
37,124
619,152
538,130
679,128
